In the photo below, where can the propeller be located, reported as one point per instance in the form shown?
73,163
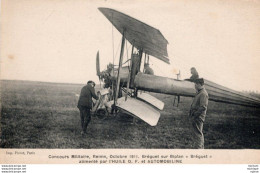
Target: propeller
98,66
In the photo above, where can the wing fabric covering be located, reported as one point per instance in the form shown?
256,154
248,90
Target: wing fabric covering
144,37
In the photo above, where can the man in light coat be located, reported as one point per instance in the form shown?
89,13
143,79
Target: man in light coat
198,113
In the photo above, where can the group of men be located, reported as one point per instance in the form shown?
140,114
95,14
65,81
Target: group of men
197,112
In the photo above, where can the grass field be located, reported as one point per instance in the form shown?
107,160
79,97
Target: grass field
44,115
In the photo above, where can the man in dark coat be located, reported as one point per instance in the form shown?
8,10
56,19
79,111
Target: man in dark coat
85,104
198,113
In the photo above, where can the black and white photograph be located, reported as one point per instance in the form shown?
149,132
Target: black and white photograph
113,74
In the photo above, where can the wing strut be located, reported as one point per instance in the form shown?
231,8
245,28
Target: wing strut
130,69
120,66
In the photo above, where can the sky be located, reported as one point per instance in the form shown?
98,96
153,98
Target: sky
57,40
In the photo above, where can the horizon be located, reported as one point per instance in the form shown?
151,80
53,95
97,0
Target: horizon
101,85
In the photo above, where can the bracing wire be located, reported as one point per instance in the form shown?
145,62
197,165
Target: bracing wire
117,48
114,55
113,44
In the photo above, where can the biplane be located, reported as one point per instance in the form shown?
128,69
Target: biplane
149,41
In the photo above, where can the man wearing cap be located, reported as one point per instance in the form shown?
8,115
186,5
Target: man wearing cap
85,104
148,69
198,113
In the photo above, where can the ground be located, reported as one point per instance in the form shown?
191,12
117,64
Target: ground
44,115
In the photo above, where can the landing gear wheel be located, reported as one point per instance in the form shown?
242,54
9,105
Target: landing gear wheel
101,113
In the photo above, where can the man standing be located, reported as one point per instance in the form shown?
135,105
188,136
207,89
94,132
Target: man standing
85,104
198,113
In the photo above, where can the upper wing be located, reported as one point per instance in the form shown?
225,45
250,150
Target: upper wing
138,33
